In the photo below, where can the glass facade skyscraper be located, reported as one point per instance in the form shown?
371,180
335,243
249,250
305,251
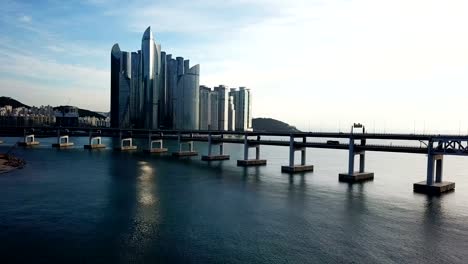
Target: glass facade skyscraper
150,89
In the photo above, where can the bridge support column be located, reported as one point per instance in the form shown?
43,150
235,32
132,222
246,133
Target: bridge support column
430,186
151,143
211,157
126,144
62,141
292,168
353,176
185,153
95,143
251,162
29,141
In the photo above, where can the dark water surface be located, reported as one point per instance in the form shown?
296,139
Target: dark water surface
78,206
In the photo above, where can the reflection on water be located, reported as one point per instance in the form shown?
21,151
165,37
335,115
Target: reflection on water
145,185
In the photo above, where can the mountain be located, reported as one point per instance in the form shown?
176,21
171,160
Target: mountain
270,124
10,101
83,112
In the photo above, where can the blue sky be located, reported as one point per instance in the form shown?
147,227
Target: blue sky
393,65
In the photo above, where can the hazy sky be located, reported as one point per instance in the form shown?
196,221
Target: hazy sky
393,65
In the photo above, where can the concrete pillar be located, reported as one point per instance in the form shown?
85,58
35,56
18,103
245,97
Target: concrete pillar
303,152
179,142
221,149
430,169
303,156
351,156
362,161
98,140
257,152
360,175
428,186
439,168
291,151
209,144
150,142
246,148
221,146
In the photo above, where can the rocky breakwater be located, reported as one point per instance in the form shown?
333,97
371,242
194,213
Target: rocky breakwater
9,163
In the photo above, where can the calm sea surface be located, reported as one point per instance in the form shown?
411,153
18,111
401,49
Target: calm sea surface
79,206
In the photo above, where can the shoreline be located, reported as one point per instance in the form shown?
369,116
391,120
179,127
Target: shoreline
9,163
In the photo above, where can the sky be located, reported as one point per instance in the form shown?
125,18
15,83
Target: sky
321,65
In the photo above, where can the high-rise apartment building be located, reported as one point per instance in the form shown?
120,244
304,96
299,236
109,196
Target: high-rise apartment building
242,99
223,96
205,107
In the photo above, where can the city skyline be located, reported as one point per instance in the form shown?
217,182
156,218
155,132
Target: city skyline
152,89
395,58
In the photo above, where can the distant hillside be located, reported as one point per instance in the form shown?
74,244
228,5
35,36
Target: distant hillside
269,124
83,112
10,101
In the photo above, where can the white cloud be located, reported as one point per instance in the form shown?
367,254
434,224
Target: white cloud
25,19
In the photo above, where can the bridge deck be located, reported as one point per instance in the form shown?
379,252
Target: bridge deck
237,137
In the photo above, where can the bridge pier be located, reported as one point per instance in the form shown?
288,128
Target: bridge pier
62,142
185,153
95,143
29,141
356,176
211,157
152,149
251,162
292,168
126,147
429,186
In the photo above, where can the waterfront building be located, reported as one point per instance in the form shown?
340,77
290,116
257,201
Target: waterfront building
150,89
205,107
121,74
231,114
136,92
187,99
242,98
223,96
150,61
214,115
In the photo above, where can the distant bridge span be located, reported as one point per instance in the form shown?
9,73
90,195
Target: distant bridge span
434,145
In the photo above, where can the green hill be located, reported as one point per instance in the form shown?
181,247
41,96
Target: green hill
270,124
10,101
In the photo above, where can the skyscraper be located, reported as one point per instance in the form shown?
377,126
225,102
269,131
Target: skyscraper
150,89
243,108
223,96
150,60
120,87
205,107
187,99
231,114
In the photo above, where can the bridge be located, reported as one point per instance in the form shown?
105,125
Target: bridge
434,146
